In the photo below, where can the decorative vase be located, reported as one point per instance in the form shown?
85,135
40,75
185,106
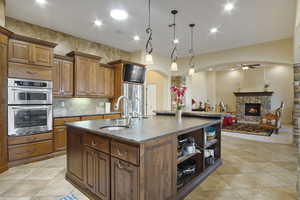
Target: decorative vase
178,114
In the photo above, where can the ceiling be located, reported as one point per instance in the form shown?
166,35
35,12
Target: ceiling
253,21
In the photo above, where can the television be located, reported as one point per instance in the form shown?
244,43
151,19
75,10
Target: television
134,73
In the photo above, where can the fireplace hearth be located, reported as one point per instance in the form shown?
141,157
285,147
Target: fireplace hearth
252,109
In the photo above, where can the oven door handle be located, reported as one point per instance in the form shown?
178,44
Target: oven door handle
31,90
29,107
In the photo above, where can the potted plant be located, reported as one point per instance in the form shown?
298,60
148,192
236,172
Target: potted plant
179,93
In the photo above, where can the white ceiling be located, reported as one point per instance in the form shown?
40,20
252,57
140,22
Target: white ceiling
253,21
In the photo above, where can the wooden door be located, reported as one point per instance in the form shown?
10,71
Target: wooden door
102,175
81,76
100,86
92,81
42,55
89,168
19,51
60,138
124,180
66,78
109,82
75,155
56,78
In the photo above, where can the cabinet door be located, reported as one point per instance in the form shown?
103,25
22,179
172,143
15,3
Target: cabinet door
75,155
3,136
81,76
102,175
92,82
89,168
100,81
56,78
67,78
42,55
124,181
60,138
19,51
109,82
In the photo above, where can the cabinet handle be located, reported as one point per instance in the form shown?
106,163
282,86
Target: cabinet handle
120,165
120,153
32,73
94,143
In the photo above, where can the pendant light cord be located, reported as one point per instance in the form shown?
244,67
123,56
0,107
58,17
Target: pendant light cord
149,47
191,64
174,51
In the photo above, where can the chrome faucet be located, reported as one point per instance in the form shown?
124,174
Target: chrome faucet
127,115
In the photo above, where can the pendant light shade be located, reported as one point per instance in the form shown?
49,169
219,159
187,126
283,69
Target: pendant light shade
149,48
191,71
149,59
174,67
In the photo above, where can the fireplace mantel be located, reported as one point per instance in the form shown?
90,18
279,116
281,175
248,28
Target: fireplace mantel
253,93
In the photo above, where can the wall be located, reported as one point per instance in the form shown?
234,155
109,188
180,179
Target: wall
66,43
220,85
2,13
161,82
280,51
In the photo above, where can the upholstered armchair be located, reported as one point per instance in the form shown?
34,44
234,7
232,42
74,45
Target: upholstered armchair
273,120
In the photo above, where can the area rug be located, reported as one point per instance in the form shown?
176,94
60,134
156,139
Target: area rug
251,129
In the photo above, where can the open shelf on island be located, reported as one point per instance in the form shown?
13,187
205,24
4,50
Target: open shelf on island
210,143
185,157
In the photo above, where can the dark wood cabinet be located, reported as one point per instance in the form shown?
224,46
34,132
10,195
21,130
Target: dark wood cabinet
124,180
4,34
75,155
62,76
97,172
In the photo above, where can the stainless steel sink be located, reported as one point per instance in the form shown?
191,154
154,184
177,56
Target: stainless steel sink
114,128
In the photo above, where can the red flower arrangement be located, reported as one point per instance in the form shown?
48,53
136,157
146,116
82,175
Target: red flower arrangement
179,92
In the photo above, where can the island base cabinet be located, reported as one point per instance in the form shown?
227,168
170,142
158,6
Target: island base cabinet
96,173
124,180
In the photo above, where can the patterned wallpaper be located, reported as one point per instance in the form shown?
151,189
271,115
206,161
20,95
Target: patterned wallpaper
66,43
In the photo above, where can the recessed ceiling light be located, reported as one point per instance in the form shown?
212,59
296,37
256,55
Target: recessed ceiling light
228,7
41,1
176,41
214,30
210,69
245,67
232,69
118,14
98,23
136,38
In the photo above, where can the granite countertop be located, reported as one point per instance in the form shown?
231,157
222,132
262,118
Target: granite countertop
193,113
69,114
145,129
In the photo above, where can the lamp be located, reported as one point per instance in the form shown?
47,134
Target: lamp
174,66
149,47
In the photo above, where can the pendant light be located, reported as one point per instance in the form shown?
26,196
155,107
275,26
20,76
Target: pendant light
174,66
191,51
149,47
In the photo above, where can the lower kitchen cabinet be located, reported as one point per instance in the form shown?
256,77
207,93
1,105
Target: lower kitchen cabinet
124,180
96,172
60,138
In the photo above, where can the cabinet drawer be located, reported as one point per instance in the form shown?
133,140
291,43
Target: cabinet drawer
62,121
96,142
29,139
92,117
16,70
113,116
125,152
30,150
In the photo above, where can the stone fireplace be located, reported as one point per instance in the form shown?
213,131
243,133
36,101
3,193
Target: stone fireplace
250,106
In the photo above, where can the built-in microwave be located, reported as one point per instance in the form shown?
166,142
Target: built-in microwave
29,92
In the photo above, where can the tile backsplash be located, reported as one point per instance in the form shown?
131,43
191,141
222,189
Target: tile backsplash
78,105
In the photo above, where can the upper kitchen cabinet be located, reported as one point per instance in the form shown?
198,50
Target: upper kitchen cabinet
30,51
85,69
106,77
62,76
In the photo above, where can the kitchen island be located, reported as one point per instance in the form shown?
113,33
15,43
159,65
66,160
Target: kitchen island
152,159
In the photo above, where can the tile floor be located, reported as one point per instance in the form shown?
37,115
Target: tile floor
251,171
